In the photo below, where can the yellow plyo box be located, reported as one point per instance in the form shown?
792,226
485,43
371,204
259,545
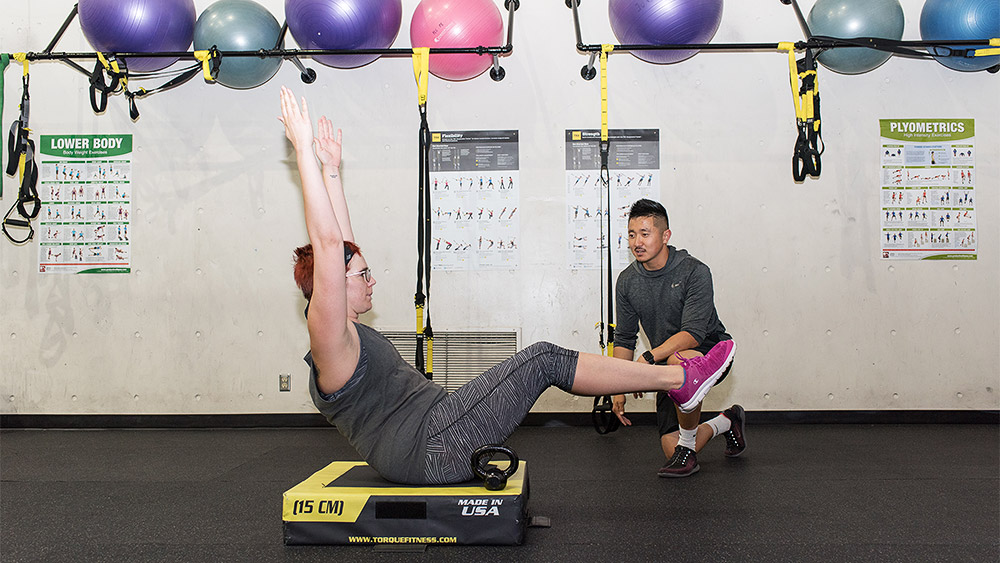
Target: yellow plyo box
348,503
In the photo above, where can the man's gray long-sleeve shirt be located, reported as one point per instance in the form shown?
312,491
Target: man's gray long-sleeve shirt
678,297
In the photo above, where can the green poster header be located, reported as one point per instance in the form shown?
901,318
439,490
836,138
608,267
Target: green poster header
86,146
927,130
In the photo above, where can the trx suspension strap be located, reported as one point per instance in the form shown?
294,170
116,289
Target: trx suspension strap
805,97
993,50
181,78
211,60
118,77
21,160
421,71
100,88
604,420
606,180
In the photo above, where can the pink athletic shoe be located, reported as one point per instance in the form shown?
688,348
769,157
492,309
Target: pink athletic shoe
701,373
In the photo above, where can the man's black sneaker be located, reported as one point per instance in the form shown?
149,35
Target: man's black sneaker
736,440
683,463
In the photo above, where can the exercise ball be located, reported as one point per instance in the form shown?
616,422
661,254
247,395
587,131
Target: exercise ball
941,20
847,19
239,25
344,24
457,24
659,22
139,26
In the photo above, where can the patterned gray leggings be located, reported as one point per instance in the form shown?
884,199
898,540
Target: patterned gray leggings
489,408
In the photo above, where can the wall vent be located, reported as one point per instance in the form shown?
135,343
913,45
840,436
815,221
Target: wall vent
459,356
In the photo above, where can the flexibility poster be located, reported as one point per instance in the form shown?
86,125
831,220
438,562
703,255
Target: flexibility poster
633,173
86,191
928,192
475,193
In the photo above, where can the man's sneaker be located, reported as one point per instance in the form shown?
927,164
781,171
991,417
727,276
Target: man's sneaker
683,463
736,440
701,373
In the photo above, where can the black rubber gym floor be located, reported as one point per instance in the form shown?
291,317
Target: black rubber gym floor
801,492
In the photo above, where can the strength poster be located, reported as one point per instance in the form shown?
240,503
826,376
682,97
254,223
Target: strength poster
475,190
633,173
86,192
928,192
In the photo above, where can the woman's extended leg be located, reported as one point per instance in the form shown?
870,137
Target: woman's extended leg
602,375
687,383
488,409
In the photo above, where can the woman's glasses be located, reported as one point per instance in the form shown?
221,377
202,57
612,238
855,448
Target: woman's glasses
365,274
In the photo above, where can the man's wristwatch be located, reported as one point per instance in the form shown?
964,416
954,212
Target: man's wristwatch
648,356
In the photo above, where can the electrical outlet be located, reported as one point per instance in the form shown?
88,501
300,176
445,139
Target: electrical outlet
284,382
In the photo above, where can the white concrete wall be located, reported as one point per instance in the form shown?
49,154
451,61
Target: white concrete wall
210,316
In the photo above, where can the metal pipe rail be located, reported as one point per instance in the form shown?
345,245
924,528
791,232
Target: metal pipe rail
903,48
308,75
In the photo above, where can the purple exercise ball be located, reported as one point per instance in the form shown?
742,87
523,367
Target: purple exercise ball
344,24
659,22
139,26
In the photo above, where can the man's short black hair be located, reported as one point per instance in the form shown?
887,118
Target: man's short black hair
648,208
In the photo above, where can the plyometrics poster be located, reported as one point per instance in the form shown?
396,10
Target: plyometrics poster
86,192
928,192
475,194
633,173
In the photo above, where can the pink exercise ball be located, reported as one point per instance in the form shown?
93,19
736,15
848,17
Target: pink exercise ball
454,24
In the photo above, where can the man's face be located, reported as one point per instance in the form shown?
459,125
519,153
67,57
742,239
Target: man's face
647,239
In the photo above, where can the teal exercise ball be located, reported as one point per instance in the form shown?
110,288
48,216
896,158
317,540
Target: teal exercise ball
964,20
239,25
847,19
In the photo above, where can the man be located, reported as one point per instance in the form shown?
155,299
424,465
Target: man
669,292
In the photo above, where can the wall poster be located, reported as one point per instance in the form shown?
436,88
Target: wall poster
928,189
633,173
86,192
475,190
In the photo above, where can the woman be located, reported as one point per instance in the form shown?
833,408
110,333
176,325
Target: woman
407,428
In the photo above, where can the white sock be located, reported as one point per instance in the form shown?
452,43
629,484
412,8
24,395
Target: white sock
687,438
720,424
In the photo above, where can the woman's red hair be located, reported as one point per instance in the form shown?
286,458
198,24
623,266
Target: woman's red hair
303,269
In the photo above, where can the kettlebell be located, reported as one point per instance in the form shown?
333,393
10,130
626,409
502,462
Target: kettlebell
494,478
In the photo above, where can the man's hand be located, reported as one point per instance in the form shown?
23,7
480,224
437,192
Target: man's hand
618,407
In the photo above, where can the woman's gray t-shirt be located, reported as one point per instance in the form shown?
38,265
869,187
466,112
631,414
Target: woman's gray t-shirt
382,410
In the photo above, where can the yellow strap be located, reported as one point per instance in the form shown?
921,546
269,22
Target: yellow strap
808,109
420,319
794,78
605,49
421,68
23,59
611,344
430,356
995,42
205,56
798,103
113,66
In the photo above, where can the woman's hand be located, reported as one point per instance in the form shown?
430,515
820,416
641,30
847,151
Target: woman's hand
298,126
328,146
